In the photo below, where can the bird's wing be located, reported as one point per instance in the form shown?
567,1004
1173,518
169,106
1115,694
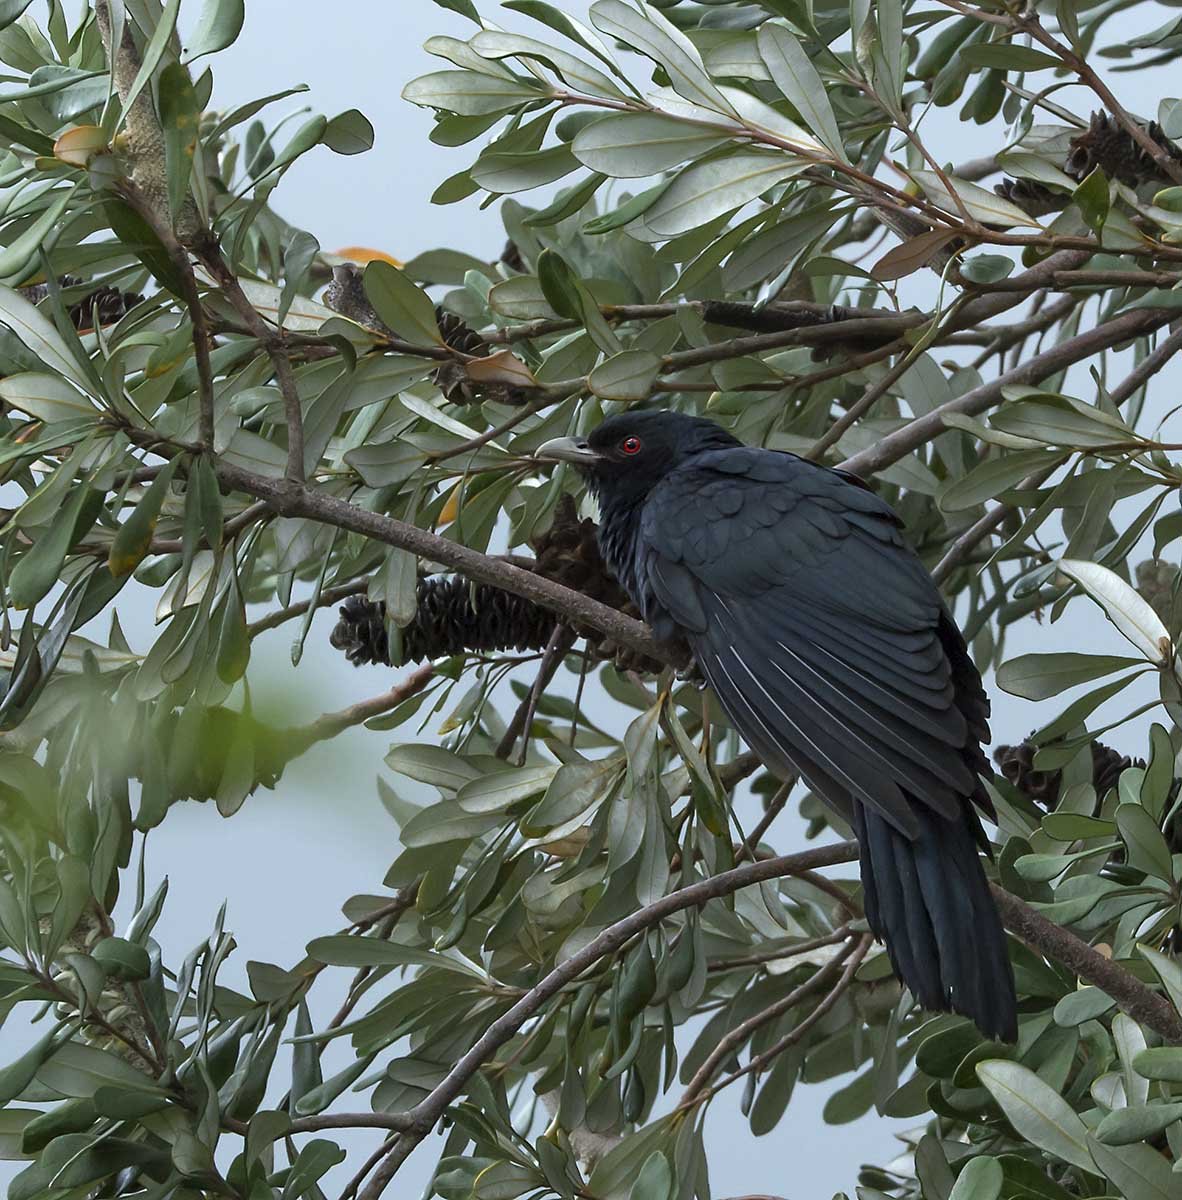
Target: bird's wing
820,632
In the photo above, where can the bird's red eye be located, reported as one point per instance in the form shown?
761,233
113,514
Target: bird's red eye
630,445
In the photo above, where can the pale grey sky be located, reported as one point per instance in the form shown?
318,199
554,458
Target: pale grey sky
288,859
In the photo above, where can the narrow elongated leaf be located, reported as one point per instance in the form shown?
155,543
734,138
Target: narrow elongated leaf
633,145
708,190
654,36
469,93
401,303
986,206
796,77
1036,1111
1123,606
628,375
1038,676
218,26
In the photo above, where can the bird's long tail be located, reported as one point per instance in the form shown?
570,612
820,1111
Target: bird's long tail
928,900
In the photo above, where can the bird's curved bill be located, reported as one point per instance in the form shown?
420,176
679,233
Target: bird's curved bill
567,449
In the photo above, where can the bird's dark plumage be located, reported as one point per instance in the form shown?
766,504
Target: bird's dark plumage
829,646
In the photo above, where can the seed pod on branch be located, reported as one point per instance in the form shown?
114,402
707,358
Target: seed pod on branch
1106,145
1031,197
798,314
105,304
457,617
1016,763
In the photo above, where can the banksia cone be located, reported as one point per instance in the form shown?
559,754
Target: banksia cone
106,303
512,258
346,294
1156,582
1016,763
1106,145
454,616
778,316
451,378
1031,197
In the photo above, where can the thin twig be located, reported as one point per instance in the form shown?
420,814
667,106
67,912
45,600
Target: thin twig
561,640
790,1039
737,1036
980,399
611,939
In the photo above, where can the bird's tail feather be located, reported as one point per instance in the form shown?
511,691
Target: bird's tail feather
928,900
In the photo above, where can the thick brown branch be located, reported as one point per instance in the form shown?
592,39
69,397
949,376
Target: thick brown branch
924,429
1141,1003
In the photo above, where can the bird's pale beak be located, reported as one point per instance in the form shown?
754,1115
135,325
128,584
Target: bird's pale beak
567,449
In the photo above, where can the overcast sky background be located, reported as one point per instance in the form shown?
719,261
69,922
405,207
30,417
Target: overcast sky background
288,859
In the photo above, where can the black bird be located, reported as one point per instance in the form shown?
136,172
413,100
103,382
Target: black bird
828,645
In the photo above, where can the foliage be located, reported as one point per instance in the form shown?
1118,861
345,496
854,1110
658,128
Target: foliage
748,224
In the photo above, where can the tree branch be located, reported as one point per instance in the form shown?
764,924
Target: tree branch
737,1036
428,1111
1143,1004
924,429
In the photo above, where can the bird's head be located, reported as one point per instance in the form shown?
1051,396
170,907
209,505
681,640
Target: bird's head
629,453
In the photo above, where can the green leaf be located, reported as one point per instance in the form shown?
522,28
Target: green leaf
469,93
47,397
39,568
349,132
991,477
1147,848
38,334
80,1070
1039,676
1003,56
1092,200
1036,1111
10,10
345,950
153,52
1168,971
1125,608
1138,1172
632,145
1078,711
654,1181
653,35
404,306
1160,1062
980,1178
314,1160
578,75
1062,422
134,537
17,257
218,26
13,1123
298,257
629,375
1137,1123
500,790
122,959
794,74
505,173
987,268
708,190
17,1076
180,114
568,296
983,205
